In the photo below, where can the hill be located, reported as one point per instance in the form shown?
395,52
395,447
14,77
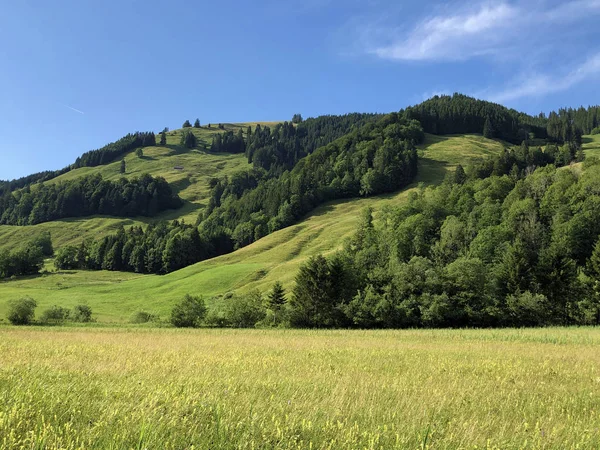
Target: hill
114,296
191,183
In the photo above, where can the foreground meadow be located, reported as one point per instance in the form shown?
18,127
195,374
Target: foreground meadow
164,389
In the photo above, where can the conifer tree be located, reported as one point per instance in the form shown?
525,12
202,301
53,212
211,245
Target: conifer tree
276,298
122,169
163,138
186,124
488,129
197,123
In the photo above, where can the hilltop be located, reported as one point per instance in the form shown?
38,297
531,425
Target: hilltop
248,201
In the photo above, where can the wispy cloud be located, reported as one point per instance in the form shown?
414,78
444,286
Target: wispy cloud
72,109
475,30
451,37
540,84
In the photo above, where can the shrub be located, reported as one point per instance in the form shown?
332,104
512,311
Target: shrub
56,314
245,311
82,313
596,130
189,313
21,311
143,317
216,319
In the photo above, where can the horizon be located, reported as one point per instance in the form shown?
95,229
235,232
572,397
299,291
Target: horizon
80,76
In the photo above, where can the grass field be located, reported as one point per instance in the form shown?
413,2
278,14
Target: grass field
173,389
115,296
591,146
191,184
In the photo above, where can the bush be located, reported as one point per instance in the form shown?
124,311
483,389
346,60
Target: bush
189,313
56,314
216,319
246,311
21,311
596,130
82,313
143,317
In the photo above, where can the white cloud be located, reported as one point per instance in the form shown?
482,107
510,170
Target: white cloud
481,29
450,37
537,85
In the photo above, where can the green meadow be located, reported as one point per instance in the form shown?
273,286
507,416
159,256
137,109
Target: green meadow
116,388
114,296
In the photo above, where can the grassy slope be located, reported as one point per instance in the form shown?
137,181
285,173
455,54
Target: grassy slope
114,296
191,184
88,388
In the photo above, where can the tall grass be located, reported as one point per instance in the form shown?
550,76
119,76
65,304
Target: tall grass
138,388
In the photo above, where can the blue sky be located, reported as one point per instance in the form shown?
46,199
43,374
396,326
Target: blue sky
78,74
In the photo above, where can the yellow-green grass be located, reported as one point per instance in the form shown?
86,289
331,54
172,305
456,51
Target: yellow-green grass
591,145
238,389
258,266
191,183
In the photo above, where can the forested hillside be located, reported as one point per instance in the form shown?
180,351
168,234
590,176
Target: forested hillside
518,249
86,196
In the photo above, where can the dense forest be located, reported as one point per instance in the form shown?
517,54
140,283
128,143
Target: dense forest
161,248
111,151
462,114
520,247
378,157
85,196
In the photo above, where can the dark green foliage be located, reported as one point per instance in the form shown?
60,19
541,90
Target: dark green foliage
244,311
82,314
375,158
110,152
297,118
43,241
67,258
163,137
123,167
595,131
186,124
322,287
86,196
55,315
139,153
458,114
21,311
143,317
488,128
27,260
488,252
276,298
188,139
161,248
189,313
197,123
229,142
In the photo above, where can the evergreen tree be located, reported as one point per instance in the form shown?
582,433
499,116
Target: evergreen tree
297,118
488,129
188,139
197,123
139,153
186,124
122,169
276,298
163,137
459,175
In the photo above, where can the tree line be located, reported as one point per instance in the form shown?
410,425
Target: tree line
27,259
86,196
459,114
161,248
375,158
515,248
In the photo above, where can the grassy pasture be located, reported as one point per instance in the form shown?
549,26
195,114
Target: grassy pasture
73,388
258,266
